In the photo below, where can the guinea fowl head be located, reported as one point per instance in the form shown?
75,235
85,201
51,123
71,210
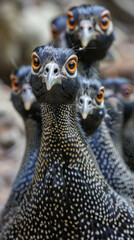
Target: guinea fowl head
58,26
54,75
123,89
90,104
22,96
89,27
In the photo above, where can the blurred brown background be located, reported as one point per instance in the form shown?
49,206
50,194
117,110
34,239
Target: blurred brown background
25,25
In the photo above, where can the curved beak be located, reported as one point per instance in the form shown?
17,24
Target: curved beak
86,33
27,96
85,106
51,75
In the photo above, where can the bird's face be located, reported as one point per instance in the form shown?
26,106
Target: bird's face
22,96
58,27
90,101
54,75
89,27
122,88
124,91
126,96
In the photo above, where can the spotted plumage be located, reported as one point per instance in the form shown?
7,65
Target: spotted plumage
114,119
25,103
68,198
111,164
123,89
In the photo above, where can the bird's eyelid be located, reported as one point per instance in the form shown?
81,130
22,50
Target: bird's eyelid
102,89
106,13
70,14
73,57
34,54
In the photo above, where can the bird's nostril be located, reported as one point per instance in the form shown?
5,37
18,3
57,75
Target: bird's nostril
89,102
47,69
55,70
81,101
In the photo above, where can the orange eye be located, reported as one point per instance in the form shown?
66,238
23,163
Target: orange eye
72,65
54,32
35,62
104,23
127,90
100,96
14,82
71,22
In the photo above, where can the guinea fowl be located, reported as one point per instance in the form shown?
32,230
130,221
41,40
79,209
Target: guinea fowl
68,198
90,105
111,164
25,103
90,33
58,30
114,121
124,91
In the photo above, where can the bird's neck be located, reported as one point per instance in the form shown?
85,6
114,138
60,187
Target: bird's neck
28,165
111,163
62,141
90,125
33,134
115,126
33,139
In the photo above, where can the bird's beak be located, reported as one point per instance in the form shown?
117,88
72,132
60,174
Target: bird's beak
87,32
85,107
27,97
51,75
50,79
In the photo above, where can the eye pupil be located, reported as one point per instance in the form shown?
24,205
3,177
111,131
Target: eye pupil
104,22
71,65
16,84
72,21
127,91
99,95
36,62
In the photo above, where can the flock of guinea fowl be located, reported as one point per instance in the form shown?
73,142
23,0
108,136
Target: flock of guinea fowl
76,179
